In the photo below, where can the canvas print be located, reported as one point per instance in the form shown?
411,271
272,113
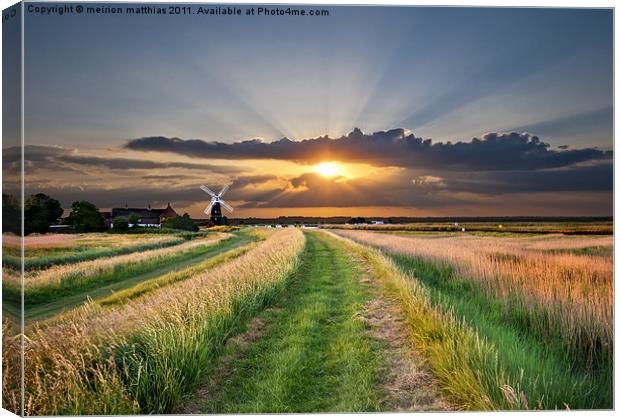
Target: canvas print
269,208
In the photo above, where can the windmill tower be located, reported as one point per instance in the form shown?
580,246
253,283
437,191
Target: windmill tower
215,207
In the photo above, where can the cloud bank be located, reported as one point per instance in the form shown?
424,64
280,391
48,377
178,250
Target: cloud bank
492,152
500,173
39,157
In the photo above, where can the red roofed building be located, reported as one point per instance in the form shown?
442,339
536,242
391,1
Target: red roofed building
146,216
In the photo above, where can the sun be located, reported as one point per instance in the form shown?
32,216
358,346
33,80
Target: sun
328,169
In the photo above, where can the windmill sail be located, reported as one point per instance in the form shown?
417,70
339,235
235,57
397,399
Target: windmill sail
215,206
226,205
208,191
223,190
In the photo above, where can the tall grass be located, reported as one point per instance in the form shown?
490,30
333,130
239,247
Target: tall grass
148,286
479,361
569,228
465,365
41,286
557,295
74,255
144,355
314,354
36,245
11,241
11,366
545,369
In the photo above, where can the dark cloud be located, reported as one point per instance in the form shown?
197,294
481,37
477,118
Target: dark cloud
32,153
36,157
57,158
117,197
492,152
132,164
572,179
171,177
251,180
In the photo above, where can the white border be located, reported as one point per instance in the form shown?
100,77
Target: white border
479,3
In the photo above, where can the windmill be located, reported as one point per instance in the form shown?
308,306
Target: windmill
215,207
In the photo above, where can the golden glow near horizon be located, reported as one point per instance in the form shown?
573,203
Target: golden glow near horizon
328,169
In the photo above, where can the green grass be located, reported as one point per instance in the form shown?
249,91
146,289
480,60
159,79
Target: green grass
508,227
161,366
49,300
11,309
315,355
152,230
597,251
548,374
149,360
46,261
144,287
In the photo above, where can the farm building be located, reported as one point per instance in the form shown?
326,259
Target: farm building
146,216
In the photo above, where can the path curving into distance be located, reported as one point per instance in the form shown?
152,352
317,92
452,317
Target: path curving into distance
329,344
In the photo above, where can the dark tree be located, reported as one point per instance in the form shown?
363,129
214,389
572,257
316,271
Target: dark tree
358,220
120,222
40,211
85,217
11,214
133,219
184,223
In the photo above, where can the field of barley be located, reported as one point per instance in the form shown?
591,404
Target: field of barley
543,306
258,320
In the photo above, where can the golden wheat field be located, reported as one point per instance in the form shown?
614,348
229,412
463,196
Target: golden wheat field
575,290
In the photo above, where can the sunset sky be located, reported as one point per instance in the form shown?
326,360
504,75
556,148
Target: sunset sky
366,112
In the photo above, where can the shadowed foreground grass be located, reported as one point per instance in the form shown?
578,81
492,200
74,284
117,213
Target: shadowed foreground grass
315,355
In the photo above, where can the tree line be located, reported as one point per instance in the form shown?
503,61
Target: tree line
42,211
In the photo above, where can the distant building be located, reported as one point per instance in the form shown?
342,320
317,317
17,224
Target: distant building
377,222
146,216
